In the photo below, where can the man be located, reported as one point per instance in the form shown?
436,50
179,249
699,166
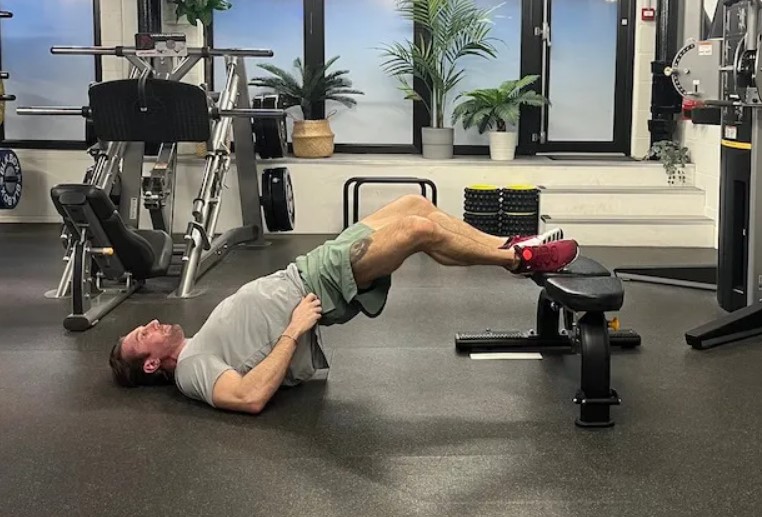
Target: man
267,334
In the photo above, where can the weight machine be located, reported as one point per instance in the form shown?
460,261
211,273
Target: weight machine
152,105
722,73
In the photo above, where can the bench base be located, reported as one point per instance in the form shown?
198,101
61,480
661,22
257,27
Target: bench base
567,326
497,341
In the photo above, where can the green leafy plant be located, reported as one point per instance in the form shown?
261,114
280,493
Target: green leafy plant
199,10
673,157
315,84
449,30
497,107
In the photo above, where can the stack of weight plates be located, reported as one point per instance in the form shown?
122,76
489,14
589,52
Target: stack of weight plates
520,210
481,208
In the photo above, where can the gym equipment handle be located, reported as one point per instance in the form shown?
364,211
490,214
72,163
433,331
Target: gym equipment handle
131,51
53,110
84,111
253,113
7,97
5,75
6,14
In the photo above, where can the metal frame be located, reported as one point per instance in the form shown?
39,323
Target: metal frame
358,181
108,159
203,250
90,299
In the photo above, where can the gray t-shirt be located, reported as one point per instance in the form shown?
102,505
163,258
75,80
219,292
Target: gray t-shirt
242,330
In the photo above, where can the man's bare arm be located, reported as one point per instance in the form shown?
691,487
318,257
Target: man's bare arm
250,393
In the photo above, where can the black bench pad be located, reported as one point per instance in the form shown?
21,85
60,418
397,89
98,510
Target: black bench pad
586,293
582,266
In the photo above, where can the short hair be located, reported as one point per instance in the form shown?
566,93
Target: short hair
129,373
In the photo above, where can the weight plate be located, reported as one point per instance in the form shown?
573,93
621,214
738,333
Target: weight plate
10,180
278,199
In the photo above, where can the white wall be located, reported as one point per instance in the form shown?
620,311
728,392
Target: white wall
702,141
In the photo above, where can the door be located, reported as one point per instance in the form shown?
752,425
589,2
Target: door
582,50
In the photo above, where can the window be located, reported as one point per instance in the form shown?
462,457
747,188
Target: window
272,24
39,78
582,70
355,30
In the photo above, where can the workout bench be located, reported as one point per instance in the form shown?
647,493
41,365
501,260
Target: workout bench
571,318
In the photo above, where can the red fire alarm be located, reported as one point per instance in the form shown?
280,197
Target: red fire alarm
648,14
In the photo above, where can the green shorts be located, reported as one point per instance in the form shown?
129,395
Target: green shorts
327,272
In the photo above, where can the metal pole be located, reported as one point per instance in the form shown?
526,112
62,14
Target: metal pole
149,16
752,18
130,51
52,110
252,113
202,205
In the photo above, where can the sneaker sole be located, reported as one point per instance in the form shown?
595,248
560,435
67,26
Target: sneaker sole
555,234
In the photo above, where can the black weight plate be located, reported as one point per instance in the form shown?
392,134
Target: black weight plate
278,199
266,199
10,180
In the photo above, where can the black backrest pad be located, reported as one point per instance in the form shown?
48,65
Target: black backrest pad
135,253
176,112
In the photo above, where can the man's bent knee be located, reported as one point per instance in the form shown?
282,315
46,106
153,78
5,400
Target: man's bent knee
421,231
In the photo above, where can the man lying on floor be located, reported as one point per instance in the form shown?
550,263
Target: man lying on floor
266,334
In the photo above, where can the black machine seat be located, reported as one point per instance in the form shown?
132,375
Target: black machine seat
585,266
586,294
583,286
582,266
154,110
144,253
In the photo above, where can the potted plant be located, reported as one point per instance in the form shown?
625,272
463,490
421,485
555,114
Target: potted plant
449,30
673,157
199,10
498,108
312,136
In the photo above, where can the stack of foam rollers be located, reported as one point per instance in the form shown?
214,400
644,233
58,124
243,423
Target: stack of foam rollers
513,210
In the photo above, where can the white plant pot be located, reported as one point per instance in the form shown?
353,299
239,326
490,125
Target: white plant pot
502,145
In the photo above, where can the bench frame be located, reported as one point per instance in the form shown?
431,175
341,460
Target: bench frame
91,299
561,330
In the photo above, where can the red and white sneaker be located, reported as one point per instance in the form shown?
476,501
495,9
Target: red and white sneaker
545,258
554,234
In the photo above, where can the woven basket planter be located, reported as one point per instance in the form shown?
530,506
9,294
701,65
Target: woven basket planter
313,139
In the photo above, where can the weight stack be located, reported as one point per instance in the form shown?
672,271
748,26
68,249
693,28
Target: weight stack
520,210
481,208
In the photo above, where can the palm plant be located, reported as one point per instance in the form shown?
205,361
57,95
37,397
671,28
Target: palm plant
497,107
450,30
314,85
199,10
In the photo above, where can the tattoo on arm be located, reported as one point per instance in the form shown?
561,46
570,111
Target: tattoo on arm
359,249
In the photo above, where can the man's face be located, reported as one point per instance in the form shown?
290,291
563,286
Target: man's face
154,342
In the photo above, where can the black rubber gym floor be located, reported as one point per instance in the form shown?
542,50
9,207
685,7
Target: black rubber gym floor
401,426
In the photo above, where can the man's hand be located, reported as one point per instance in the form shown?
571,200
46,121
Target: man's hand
306,315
